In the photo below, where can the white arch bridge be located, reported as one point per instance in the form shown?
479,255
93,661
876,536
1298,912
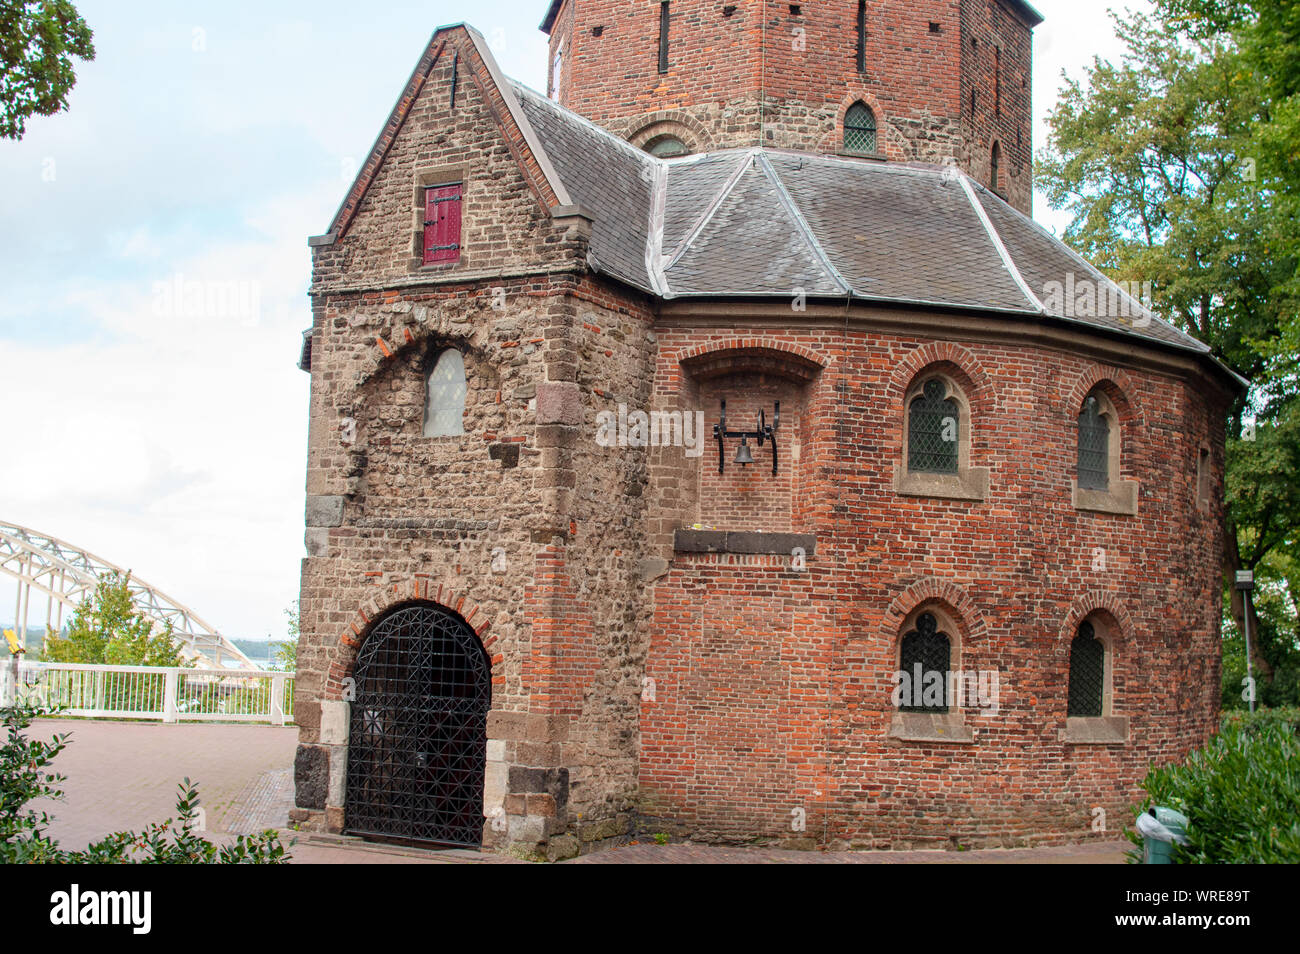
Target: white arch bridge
64,575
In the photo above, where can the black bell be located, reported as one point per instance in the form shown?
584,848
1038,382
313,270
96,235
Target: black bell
743,454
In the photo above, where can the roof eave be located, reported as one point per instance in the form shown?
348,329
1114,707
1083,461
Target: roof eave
551,14
1027,13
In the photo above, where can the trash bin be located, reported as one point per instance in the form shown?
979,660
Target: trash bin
1160,829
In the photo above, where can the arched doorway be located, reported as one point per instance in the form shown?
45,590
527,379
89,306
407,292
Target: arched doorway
418,743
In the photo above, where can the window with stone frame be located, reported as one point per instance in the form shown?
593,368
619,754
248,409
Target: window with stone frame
924,660
934,430
1090,705
1087,673
1094,446
444,408
860,130
1098,483
937,437
442,224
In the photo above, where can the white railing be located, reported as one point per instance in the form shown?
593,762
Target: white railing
148,692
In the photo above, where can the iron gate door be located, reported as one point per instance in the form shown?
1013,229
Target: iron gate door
418,745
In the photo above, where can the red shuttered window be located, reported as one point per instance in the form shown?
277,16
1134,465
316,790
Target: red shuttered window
442,224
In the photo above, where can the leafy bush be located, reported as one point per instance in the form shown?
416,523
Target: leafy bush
23,838
1287,716
1241,794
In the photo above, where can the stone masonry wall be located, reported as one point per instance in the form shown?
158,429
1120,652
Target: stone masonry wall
519,525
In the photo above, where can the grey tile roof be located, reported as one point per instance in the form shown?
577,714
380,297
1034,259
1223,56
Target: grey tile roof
767,223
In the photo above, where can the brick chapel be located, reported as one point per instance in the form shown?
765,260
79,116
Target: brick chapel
713,447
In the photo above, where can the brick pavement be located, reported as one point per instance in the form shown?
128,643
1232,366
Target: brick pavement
123,775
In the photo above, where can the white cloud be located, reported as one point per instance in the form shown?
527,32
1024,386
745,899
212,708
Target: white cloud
174,442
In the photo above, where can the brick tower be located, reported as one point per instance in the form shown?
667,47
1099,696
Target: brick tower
943,79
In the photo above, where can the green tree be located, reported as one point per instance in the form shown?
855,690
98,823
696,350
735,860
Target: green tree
38,40
285,654
107,629
1171,165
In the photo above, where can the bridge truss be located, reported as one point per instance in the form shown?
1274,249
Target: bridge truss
66,575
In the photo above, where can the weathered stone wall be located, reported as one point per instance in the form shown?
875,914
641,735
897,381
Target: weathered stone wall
521,525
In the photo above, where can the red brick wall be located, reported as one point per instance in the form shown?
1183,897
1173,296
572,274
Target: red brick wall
773,686
803,67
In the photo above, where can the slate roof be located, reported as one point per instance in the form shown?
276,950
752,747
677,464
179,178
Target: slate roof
761,223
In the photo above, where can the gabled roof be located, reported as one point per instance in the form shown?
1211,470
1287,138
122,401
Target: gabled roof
768,224
482,67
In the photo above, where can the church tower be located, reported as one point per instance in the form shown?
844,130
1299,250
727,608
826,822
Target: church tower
914,81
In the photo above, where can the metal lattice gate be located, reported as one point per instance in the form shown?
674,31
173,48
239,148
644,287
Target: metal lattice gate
418,745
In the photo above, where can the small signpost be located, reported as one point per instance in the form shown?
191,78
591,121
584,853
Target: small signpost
1245,584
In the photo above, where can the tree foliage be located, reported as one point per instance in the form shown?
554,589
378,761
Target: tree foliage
107,629
38,40
1180,166
285,653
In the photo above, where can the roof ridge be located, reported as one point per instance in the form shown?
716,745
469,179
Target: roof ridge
654,241
793,209
639,154
1007,262
1097,272
707,216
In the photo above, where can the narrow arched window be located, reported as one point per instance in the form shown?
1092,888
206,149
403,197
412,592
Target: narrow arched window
860,130
924,659
444,408
933,431
1087,673
995,168
1094,446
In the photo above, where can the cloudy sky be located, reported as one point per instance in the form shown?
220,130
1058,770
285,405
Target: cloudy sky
207,140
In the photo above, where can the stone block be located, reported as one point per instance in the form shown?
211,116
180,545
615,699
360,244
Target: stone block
559,402
507,725
317,541
652,568
311,766
335,722
324,511
338,761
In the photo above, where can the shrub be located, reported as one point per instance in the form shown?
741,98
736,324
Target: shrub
1262,718
1241,794
23,838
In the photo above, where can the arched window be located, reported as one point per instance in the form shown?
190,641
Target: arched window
924,660
1087,673
1094,445
995,168
444,408
860,130
1098,484
667,147
934,430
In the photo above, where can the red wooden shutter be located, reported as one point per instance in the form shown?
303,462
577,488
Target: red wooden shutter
442,224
